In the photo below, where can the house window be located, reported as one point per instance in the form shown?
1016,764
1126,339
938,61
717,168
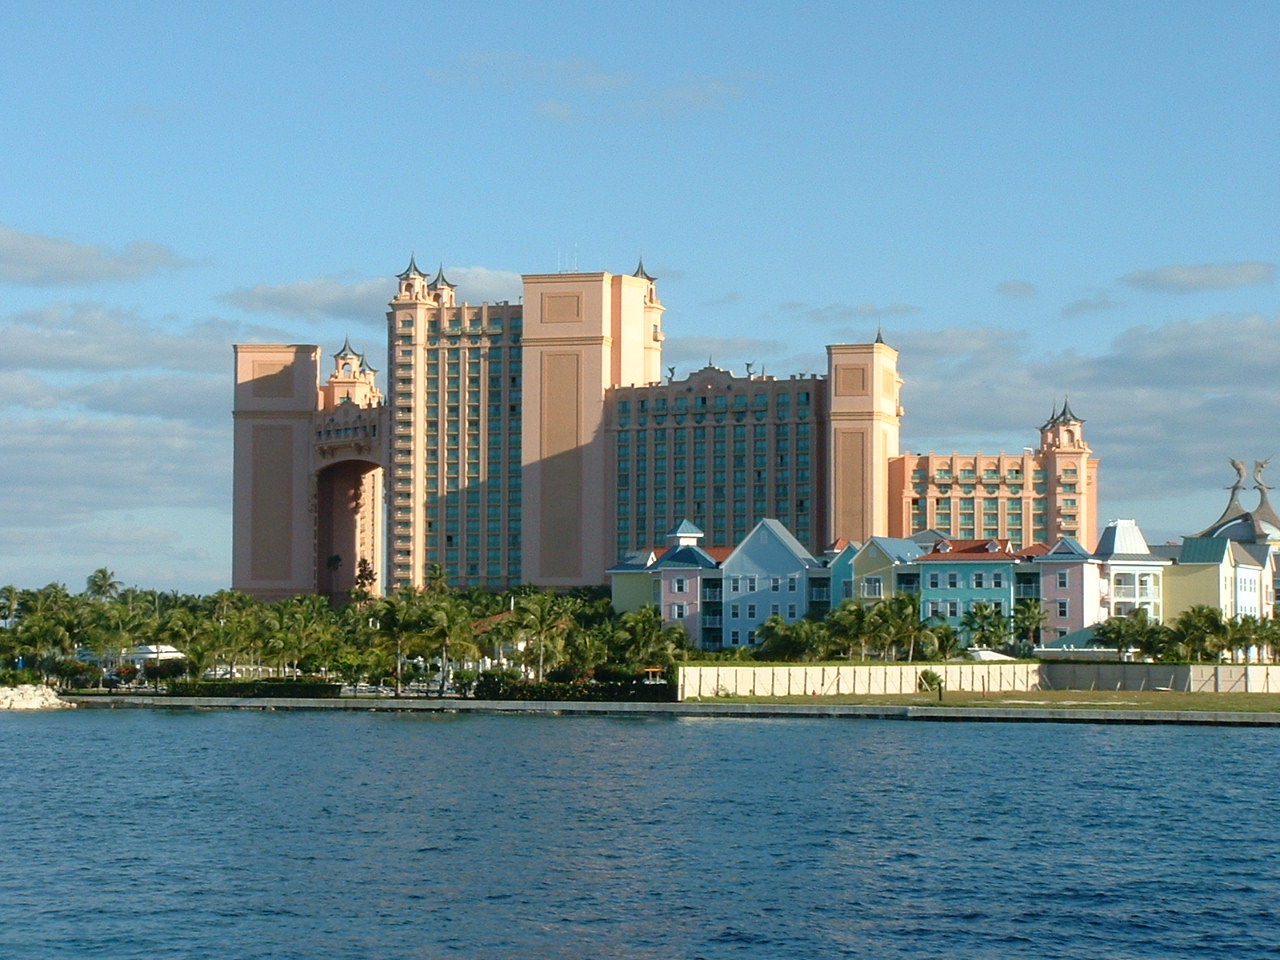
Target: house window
979,581
775,584
997,580
791,584
678,611
735,637
679,585
735,585
1062,609
791,611
751,584
953,581
935,581
735,611
873,587
1064,579
751,611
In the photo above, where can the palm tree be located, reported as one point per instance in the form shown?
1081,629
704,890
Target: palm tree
1135,631
543,620
1201,629
447,624
984,625
102,584
851,623
946,642
1028,620
898,625
649,643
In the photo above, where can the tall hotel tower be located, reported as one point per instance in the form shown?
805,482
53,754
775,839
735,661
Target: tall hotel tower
540,442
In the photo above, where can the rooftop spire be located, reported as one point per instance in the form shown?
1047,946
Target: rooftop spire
411,270
641,272
440,280
1066,416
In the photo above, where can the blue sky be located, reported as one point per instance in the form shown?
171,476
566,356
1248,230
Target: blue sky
1028,198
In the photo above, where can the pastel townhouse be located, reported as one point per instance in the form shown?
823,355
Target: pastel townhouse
683,582
1132,577
884,566
770,573
1220,573
1070,591
957,574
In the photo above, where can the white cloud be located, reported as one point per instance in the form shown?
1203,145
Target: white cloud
479,284
1164,406
366,301
64,470
325,298
41,261
1190,278
1093,304
576,88
89,337
1016,289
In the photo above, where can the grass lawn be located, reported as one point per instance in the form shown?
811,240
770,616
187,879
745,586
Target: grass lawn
1053,699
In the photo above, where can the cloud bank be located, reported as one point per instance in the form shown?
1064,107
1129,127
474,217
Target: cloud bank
1204,276
35,260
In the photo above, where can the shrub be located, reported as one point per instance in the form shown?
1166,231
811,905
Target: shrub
507,685
266,687
464,681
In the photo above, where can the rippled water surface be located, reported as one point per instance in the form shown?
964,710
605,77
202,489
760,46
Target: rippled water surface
155,834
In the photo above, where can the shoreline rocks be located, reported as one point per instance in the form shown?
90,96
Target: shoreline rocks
31,696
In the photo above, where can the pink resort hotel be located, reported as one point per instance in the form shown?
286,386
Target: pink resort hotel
542,442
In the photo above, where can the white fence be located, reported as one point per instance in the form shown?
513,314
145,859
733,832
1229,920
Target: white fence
731,680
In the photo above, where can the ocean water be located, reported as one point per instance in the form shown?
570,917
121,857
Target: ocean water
156,834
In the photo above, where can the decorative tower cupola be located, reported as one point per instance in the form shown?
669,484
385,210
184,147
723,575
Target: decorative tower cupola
1063,430
651,295
352,381
413,282
440,291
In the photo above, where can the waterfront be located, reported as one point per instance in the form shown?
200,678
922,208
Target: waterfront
252,834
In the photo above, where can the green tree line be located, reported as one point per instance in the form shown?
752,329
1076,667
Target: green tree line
411,636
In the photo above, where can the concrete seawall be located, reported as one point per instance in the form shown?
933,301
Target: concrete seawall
687,710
